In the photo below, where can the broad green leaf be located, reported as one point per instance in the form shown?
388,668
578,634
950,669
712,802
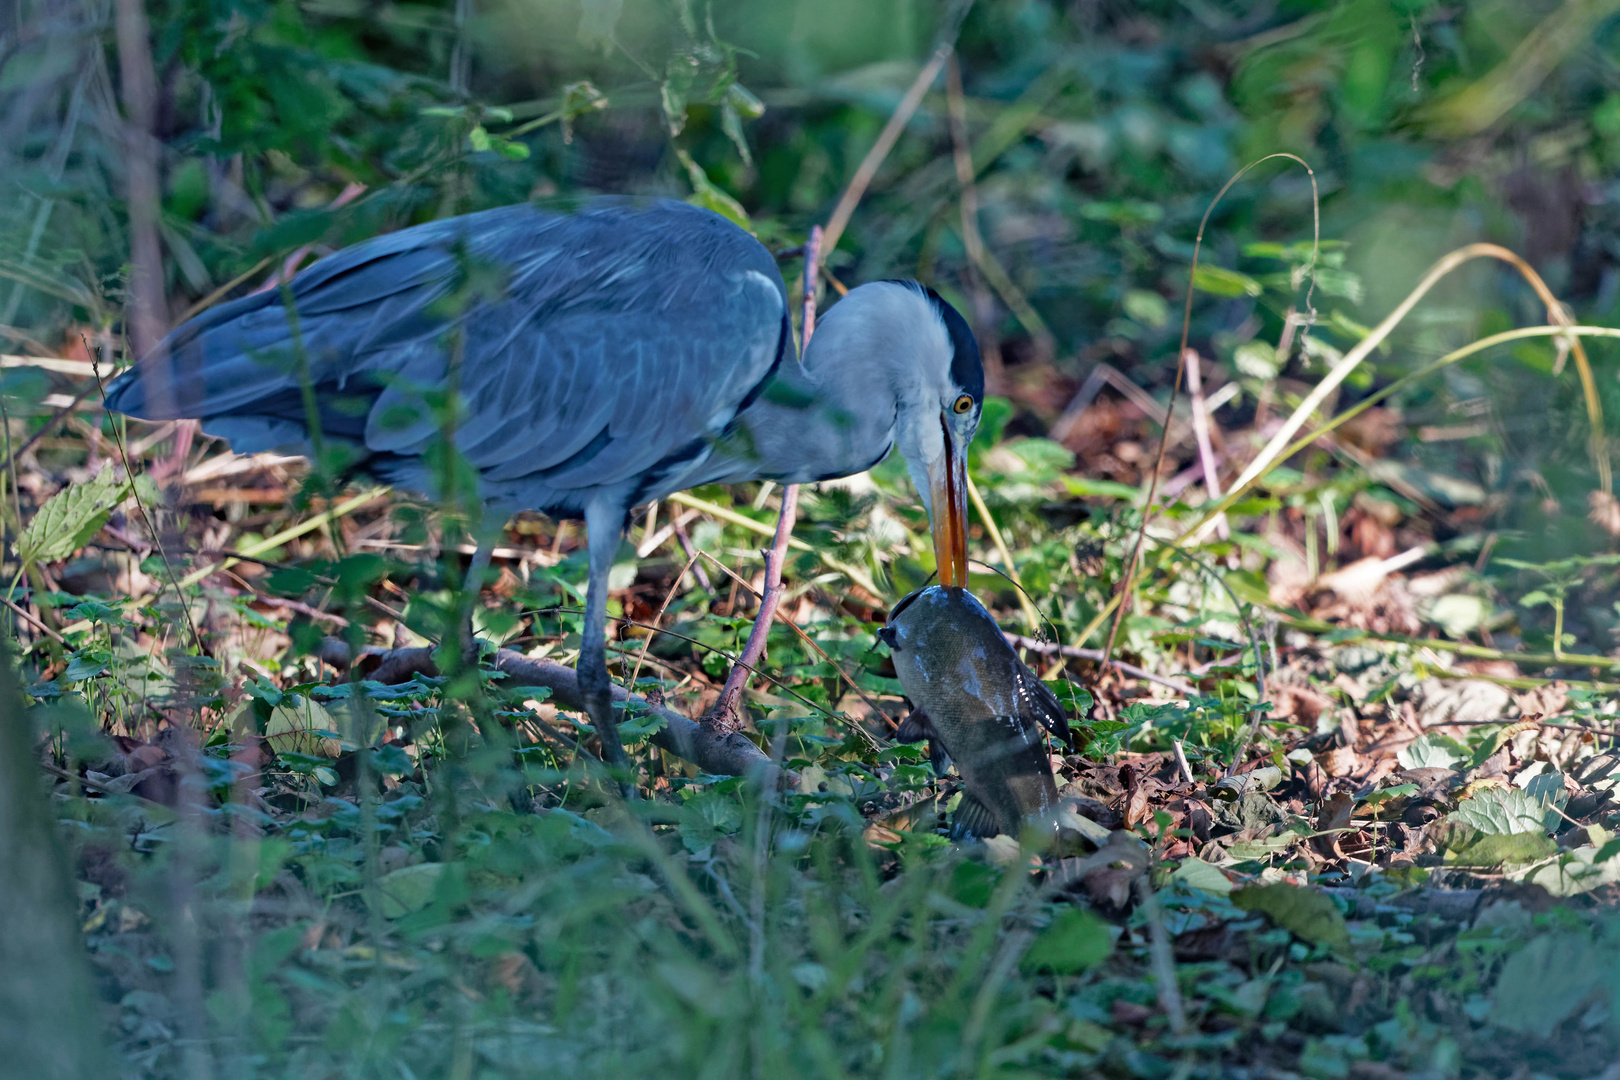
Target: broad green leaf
707,817
1305,913
1219,281
294,724
1501,811
1467,846
1548,791
1199,874
71,517
1432,752
1384,795
1545,982
1147,308
1075,941
1572,873
409,888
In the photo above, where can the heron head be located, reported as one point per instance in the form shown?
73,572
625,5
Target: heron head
939,413
906,368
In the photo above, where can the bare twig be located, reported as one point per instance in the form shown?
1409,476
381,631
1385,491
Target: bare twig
972,240
1047,648
1181,760
1181,359
22,613
880,150
1206,452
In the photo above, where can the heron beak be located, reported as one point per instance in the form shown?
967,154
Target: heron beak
947,481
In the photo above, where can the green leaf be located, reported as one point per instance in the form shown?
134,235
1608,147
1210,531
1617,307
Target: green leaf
1383,795
706,817
84,666
1305,913
1467,846
1432,752
1572,873
71,517
408,889
1076,941
1147,308
1219,281
1113,489
1199,874
295,726
1545,982
1501,811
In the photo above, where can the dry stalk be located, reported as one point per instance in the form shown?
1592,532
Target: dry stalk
880,150
1277,450
1124,596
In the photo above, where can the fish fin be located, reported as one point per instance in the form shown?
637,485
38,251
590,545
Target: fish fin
973,818
915,728
1047,707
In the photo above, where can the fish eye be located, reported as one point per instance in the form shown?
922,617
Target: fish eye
963,404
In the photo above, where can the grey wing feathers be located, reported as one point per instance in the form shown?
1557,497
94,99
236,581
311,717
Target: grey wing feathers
602,347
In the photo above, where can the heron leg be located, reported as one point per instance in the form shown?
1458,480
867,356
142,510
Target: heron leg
604,526
471,586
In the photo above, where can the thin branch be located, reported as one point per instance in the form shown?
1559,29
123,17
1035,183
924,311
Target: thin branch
1126,585
1206,452
880,150
22,613
1047,648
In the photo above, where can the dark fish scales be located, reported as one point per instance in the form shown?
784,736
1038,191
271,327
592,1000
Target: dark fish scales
975,699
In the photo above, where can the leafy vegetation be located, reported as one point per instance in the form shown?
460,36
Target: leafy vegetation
1346,801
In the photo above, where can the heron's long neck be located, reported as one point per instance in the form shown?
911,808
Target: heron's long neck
832,415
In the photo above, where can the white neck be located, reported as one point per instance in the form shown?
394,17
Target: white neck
866,384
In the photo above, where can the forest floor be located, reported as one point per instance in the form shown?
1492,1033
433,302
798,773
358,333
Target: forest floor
1335,827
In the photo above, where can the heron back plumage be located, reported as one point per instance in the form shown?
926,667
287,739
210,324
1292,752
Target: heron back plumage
601,348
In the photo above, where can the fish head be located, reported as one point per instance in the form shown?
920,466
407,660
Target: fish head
950,655
955,663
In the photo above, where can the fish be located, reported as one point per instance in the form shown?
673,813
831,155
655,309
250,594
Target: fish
977,702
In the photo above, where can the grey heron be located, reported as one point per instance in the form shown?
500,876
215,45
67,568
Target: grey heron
604,357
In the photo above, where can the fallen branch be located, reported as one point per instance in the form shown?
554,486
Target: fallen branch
714,752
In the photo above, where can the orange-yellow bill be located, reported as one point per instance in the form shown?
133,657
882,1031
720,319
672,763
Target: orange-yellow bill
948,499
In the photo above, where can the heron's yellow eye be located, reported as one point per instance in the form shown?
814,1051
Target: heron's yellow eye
963,404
